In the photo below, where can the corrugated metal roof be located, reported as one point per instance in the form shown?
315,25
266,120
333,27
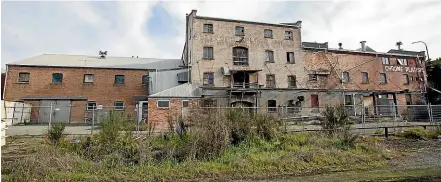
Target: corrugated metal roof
413,53
53,98
60,60
184,90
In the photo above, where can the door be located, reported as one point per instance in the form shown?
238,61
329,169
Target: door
44,114
60,111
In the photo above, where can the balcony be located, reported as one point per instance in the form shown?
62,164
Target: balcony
245,85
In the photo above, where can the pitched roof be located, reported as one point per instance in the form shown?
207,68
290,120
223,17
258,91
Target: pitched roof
61,60
413,53
368,49
315,45
184,91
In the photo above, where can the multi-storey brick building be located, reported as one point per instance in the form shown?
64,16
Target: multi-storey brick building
76,84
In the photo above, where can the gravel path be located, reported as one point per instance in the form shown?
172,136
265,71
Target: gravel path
419,154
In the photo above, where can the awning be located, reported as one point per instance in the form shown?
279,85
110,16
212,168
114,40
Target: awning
53,98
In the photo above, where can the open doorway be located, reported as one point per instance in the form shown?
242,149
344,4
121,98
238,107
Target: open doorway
241,79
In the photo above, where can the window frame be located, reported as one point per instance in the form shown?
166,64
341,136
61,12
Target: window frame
288,60
343,76
385,59
25,73
271,108
53,79
265,35
142,79
406,79
385,78
267,57
292,78
168,104
117,108
312,77
208,25
240,59
188,103
287,32
273,84
93,107
123,82
405,61
212,53
208,79
346,100
239,33
363,74
88,82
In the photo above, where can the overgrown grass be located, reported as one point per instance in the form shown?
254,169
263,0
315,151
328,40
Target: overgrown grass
420,133
220,145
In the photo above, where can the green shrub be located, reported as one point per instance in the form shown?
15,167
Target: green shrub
421,134
336,118
55,132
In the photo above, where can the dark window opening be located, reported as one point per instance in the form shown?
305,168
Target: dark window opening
312,77
208,28
348,100
208,79
163,103
119,79
290,57
185,103
23,77
292,81
272,106
209,103
118,105
240,56
383,78
57,78
270,81
91,105
364,77
408,99
269,56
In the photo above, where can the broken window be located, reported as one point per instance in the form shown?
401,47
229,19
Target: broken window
208,28
91,105
405,78
145,79
118,105
314,100
348,100
267,33
208,53
292,81
312,77
364,77
288,35
208,79
270,81
383,78
402,61
345,77
23,77
119,79
209,103
269,56
290,57
88,78
240,56
385,60
57,78
163,103
240,31
272,105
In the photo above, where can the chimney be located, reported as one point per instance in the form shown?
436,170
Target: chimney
363,45
340,45
398,44
193,12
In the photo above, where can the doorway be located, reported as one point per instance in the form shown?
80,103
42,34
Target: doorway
241,79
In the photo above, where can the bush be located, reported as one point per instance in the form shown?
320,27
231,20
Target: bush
421,134
55,132
336,118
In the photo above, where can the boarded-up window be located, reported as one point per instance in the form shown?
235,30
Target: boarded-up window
272,105
345,77
292,81
405,79
290,57
364,77
240,56
119,79
288,35
269,56
270,81
383,78
314,100
23,77
163,103
208,28
118,105
267,33
89,78
208,79
208,53
57,78
240,31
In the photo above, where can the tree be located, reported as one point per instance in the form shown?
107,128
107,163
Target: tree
433,69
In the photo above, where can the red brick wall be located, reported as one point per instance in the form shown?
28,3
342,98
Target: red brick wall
103,90
160,116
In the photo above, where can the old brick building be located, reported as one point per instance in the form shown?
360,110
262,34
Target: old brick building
76,84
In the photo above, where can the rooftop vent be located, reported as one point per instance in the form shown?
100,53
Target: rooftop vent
363,46
340,45
399,44
102,54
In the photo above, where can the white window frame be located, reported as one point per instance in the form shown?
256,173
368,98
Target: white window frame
157,104
87,105
188,103
114,107
93,78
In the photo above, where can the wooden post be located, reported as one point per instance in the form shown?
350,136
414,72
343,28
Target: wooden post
386,132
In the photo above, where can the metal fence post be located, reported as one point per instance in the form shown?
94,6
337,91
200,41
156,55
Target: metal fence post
50,116
430,114
93,120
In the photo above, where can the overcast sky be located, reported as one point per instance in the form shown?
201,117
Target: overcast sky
157,29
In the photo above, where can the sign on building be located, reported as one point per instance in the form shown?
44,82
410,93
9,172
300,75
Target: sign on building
403,69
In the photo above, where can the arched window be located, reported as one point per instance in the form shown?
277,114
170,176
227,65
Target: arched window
240,56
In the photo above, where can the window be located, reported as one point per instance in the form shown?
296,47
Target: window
290,57
23,77
348,100
163,103
385,60
267,33
185,103
145,79
405,79
209,103
91,105
88,78
208,79
240,56
345,77
312,77
240,31
292,81
271,105
118,105
208,28
411,78
402,61
288,35
57,78
270,81
408,99
314,100
383,78
269,56
364,77
119,79
208,53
